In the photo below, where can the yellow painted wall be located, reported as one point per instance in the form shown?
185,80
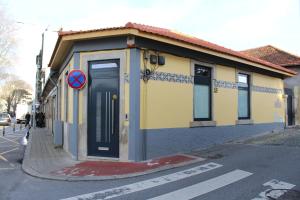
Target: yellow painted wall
225,102
167,104
126,86
170,105
265,106
70,101
70,94
62,98
81,96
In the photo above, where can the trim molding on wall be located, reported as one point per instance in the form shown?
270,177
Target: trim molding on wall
170,77
187,79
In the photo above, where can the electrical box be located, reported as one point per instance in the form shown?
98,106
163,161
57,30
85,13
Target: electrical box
161,60
153,59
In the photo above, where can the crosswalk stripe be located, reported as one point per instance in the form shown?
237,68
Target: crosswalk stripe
205,186
143,185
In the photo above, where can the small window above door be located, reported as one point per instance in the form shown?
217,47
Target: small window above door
104,65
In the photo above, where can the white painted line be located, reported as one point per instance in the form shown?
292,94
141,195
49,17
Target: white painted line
143,185
205,186
274,184
6,168
1,153
9,140
2,158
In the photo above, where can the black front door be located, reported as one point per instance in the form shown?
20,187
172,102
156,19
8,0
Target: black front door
290,110
103,108
290,114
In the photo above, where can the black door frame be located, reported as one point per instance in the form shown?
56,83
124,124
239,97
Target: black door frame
290,107
89,93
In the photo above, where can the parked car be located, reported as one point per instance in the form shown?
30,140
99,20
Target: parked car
21,120
5,119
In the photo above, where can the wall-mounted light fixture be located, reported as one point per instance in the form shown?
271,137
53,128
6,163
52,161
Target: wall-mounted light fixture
155,61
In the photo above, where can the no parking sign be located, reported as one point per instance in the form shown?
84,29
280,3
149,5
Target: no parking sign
76,79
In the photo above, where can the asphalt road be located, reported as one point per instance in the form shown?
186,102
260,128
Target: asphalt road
237,171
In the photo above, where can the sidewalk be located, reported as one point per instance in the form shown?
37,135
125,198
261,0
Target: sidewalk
43,160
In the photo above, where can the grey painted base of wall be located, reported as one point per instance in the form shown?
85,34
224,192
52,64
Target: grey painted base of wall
58,133
160,142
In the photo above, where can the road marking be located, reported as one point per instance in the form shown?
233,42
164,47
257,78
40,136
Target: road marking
6,168
9,140
143,185
279,188
8,146
1,153
205,186
3,158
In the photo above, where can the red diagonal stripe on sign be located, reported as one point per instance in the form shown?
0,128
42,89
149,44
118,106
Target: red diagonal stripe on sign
76,79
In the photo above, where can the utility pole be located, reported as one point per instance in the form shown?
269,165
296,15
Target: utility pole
38,86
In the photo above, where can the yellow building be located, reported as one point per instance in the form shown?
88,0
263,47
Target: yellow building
152,92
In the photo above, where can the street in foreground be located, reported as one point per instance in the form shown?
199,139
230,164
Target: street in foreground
235,171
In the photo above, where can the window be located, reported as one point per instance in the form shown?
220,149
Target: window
243,96
202,93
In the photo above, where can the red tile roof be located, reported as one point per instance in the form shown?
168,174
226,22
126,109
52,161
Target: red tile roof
186,39
274,55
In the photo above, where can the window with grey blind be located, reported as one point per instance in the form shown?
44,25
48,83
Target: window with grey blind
202,93
243,96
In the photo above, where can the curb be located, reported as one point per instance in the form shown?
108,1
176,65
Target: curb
27,168
30,171
248,139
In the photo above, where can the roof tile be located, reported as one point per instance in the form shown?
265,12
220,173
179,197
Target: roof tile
274,55
187,39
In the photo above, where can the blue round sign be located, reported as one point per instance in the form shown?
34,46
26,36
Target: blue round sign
76,79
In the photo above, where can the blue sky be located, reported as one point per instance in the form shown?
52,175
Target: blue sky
235,24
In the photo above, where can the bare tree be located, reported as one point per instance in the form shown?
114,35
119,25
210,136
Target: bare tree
13,91
7,40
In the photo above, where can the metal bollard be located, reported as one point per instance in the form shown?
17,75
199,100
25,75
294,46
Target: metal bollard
20,126
14,127
3,130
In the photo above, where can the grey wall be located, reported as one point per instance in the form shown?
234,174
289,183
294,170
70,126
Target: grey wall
74,131
160,142
58,133
101,44
135,139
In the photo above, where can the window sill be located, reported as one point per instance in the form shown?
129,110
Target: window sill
243,121
202,123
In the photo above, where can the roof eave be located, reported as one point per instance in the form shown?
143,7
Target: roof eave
65,41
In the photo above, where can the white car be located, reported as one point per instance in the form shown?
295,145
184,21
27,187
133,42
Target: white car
5,119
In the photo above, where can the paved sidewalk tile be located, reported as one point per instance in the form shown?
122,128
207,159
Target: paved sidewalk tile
43,160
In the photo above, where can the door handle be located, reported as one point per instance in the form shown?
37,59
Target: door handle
114,97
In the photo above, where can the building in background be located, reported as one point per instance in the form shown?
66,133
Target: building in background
152,92
42,70
291,84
